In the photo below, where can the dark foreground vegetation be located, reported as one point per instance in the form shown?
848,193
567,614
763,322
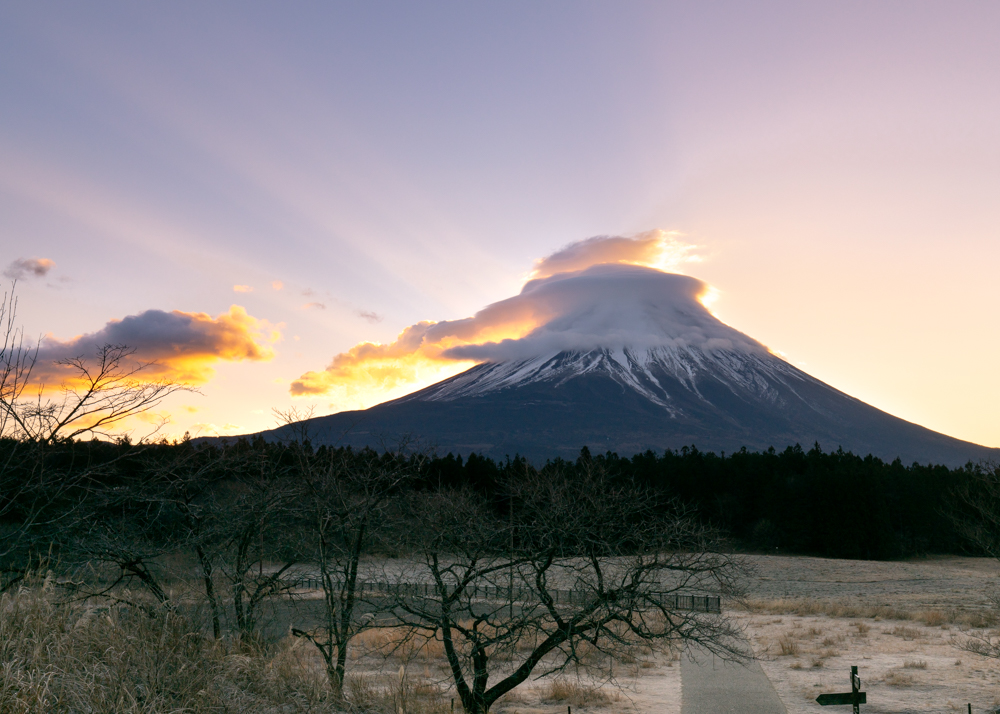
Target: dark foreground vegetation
794,501
536,572
833,504
168,576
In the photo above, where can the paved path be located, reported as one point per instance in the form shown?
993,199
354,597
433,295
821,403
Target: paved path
711,686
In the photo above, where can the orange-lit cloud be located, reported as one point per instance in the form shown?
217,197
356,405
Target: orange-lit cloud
548,303
242,289
277,285
182,346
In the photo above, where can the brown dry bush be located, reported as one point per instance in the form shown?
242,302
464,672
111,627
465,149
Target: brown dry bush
896,678
398,645
854,610
578,694
788,646
80,657
389,694
907,633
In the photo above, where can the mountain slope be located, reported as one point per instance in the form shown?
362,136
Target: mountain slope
627,358
625,402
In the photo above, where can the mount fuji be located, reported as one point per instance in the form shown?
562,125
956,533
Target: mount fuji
627,358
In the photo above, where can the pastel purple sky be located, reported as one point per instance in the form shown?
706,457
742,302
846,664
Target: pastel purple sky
343,171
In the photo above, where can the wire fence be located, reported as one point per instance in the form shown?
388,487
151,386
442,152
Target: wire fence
670,600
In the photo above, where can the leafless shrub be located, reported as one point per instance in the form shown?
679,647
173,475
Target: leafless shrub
896,678
348,502
788,646
907,633
579,694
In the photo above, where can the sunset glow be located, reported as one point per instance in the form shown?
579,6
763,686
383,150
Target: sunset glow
384,191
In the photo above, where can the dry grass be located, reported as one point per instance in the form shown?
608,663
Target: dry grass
578,694
72,657
806,607
907,633
388,694
896,678
788,646
96,657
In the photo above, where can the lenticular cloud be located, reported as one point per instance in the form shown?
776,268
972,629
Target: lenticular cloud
598,293
611,307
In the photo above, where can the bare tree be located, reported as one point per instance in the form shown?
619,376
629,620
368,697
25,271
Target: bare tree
236,508
261,531
584,564
96,397
166,506
348,501
975,511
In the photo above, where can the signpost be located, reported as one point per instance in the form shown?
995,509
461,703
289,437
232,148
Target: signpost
854,697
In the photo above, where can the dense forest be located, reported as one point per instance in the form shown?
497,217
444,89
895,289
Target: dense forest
794,501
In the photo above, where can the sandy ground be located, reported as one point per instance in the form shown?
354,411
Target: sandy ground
651,685
943,582
905,665
654,690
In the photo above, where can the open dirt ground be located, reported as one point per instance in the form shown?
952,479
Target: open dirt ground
905,666
809,620
812,618
900,623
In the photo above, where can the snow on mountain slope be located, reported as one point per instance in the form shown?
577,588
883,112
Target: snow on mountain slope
641,371
623,358
644,329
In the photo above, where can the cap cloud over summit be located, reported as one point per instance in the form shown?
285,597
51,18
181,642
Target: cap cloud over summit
606,291
609,307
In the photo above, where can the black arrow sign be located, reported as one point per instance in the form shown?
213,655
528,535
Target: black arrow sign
842,698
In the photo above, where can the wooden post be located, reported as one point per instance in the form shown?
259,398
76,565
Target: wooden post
510,584
855,688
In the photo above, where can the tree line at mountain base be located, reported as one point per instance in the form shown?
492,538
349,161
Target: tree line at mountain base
831,504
